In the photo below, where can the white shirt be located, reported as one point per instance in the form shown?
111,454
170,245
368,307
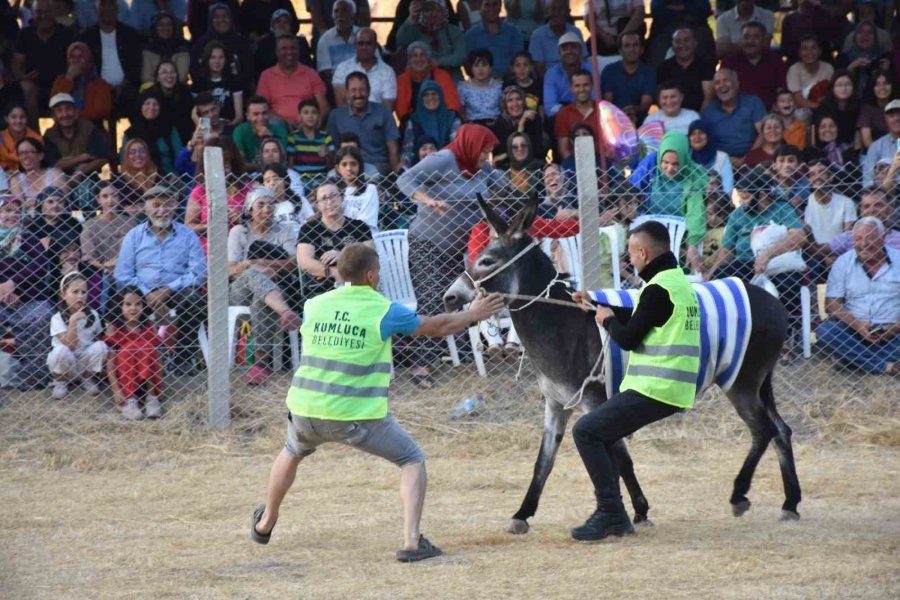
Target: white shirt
827,220
362,206
111,70
680,122
332,49
382,80
728,24
86,335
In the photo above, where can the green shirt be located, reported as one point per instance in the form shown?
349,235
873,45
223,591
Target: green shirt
248,143
741,223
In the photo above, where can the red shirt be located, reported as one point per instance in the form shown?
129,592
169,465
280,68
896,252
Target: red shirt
569,116
284,91
762,79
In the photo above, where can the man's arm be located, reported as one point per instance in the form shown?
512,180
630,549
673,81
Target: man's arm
835,309
393,148
653,310
446,324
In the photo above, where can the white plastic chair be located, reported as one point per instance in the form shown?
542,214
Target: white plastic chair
675,225
612,234
234,313
396,282
806,320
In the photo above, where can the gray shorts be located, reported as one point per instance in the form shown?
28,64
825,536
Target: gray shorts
381,437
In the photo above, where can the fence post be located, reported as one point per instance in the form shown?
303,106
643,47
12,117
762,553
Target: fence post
218,359
588,211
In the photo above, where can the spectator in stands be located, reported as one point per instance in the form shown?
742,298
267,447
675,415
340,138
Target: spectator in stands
629,83
24,295
841,104
322,14
524,77
16,130
34,175
255,16
557,92
827,214
515,117
361,198
480,94
786,172
256,127
238,51
771,137
759,69
166,43
425,146
74,145
730,25
469,13
694,73
428,23
860,55
157,130
795,129
526,15
382,79
580,111
667,18
825,143
351,139
138,171
282,23
872,123
444,185
804,77
544,42
874,202
198,15
885,147
291,209
373,123
53,220
205,107
101,236
558,200
92,95
310,146
323,238
212,76
288,83
733,119
39,57
165,260
584,129
175,98
272,152
419,68
885,173
259,261
614,19
524,168
810,18
494,34
669,97
718,207
338,43
431,118
863,302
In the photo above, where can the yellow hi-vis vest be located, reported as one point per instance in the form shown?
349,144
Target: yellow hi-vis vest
666,365
345,367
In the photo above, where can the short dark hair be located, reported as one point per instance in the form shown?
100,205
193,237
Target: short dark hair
308,102
257,100
810,37
656,231
874,190
754,24
204,98
787,150
622,37
357,75
522,54
669,84
349,136
355,261
582,72
480,55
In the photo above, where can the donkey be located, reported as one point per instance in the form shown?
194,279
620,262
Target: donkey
564,345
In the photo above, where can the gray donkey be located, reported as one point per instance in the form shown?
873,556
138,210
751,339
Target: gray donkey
564,344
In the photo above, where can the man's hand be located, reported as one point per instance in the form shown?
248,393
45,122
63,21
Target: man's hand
603,313
7,288
762,261
262,132
110,265
439,206
157,298
483,306
583,300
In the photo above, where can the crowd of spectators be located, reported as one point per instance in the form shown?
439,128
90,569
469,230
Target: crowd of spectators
786,120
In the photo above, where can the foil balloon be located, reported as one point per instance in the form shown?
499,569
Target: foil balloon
625,145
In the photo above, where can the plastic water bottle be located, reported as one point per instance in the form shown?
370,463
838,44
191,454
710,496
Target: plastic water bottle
468,407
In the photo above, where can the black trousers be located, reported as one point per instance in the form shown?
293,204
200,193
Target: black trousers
594,433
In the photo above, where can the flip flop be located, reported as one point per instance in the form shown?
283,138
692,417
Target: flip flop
259,538
424,551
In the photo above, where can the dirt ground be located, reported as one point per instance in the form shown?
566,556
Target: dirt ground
160,516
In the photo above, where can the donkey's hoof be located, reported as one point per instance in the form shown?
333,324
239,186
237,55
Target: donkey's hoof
517,526
739,508
643,521
789,515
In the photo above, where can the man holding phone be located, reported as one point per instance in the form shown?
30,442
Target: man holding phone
885,147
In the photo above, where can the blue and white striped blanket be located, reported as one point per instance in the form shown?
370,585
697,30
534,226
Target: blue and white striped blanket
724,332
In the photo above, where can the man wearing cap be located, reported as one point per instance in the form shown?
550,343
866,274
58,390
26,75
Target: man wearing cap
260,255
885,147
74,145
557,90
165,260
544,42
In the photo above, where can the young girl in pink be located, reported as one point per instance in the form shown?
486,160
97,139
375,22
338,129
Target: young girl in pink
134,359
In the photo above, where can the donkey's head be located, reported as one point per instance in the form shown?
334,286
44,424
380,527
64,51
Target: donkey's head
511,264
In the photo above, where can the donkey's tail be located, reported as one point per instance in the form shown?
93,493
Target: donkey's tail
767,396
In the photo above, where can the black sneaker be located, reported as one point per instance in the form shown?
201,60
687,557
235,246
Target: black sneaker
602,524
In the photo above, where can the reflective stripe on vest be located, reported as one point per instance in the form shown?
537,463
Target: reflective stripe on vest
345,368
666,365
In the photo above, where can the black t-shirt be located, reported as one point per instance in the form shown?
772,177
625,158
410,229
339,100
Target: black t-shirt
323,239
47,58
222,90
62,233
691,79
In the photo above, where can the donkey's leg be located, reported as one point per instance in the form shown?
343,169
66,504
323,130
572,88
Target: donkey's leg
785,454
626,471
555,419
750,408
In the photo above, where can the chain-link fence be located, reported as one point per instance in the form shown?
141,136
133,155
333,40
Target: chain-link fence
106,284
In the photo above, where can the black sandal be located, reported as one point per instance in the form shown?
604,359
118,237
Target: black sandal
423,380
259,538
425,550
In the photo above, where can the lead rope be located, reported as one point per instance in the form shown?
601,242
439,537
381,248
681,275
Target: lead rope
592,376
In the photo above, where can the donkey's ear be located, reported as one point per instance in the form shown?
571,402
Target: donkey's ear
523,220
494,220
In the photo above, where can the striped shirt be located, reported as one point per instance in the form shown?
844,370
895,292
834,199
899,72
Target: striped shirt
725,324
310,154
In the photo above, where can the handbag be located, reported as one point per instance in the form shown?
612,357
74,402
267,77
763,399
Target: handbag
766,236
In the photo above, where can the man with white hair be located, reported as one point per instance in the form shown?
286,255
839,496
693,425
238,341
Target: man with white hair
338,43
382,79
863,303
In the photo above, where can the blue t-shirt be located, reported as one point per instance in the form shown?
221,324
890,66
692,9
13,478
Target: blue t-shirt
503,44
734,132
628,89
398,319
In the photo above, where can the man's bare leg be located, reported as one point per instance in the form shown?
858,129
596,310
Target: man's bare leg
413,480
280,480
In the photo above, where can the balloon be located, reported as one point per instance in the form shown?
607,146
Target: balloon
624,145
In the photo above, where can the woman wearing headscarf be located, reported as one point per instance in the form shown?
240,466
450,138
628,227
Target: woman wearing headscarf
281,23
166,42
154,127
92,95
419,68
705,154
198,15
428,23
431,118
444,184
515,117
53,220
138,171
524,168
255,16
238,51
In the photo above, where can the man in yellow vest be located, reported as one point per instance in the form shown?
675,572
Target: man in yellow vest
340,392
663,337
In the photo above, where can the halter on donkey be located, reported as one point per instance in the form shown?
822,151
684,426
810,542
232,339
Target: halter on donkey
564,345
